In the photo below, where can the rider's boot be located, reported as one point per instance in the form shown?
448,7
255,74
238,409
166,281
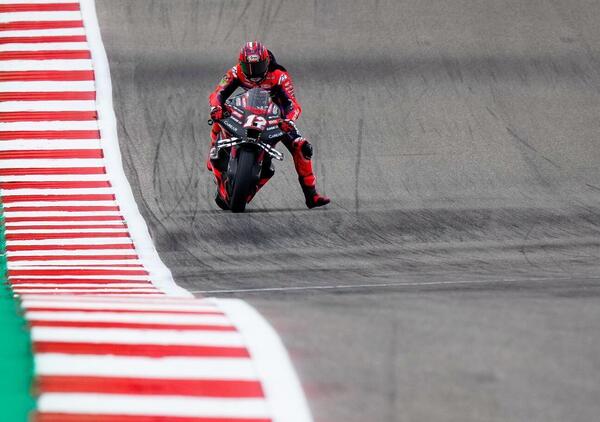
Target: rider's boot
302,153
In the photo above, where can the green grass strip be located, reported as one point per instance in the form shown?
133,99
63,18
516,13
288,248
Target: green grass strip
16,358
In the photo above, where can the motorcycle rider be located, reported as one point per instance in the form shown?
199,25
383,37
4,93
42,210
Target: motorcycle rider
257,68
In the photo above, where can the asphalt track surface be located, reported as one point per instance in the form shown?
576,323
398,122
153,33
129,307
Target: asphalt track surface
455,277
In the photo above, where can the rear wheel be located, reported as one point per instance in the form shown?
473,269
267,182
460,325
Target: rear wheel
243,181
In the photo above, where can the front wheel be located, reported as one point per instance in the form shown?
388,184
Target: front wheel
243,181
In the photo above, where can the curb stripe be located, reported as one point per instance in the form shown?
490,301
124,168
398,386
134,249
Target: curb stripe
50,134
64,417
35,116
48,96
42,40
37,7
116,385
27,25
48,75
144,350
45,55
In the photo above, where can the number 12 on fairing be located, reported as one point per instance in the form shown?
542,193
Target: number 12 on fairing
255,121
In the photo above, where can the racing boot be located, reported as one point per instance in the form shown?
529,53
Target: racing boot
313,198
302,153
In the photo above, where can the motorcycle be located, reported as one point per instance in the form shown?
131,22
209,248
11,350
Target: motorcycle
242,156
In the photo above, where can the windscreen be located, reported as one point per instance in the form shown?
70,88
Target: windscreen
258,100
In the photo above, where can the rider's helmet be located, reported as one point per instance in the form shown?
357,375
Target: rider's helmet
254,60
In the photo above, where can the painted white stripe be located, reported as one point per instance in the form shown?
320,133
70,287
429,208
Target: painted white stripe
45,163
82,253
87,291
82,191
61,291
167,300
85,105
54,178
9,213
38,144
24,65
136,336
118,366
82,262
58,224
42,32
113,305
44,46
47,86
119,229
78,241
175,406
39,16
50,125
129,318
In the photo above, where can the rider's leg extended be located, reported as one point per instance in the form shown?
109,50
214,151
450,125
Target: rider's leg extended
302,153
215,165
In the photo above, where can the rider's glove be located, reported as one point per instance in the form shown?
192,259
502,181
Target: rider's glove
287,126
216,113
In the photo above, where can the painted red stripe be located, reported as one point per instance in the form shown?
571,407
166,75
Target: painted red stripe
74,271
25,25
74,417
69,208
16,281
52,170
69,257
147,350
67,281
48,96
37,116
51,153
39,7
47,75
114,385
54,198
45,55
43,39
65,218
61,184
49,134
39,236
141,326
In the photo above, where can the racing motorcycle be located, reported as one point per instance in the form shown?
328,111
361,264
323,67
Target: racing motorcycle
244,152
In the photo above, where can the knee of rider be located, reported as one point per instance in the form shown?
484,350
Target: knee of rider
305,148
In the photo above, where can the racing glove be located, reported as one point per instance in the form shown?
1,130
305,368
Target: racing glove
216,113
288,126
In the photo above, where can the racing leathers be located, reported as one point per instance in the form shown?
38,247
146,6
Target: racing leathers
279,83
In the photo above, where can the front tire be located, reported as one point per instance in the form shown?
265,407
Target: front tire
243,181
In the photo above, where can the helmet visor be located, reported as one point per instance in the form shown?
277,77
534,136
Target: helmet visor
256,69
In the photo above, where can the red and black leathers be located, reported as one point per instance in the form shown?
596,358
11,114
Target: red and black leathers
279,83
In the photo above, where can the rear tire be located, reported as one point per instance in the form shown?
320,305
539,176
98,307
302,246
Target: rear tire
243,181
